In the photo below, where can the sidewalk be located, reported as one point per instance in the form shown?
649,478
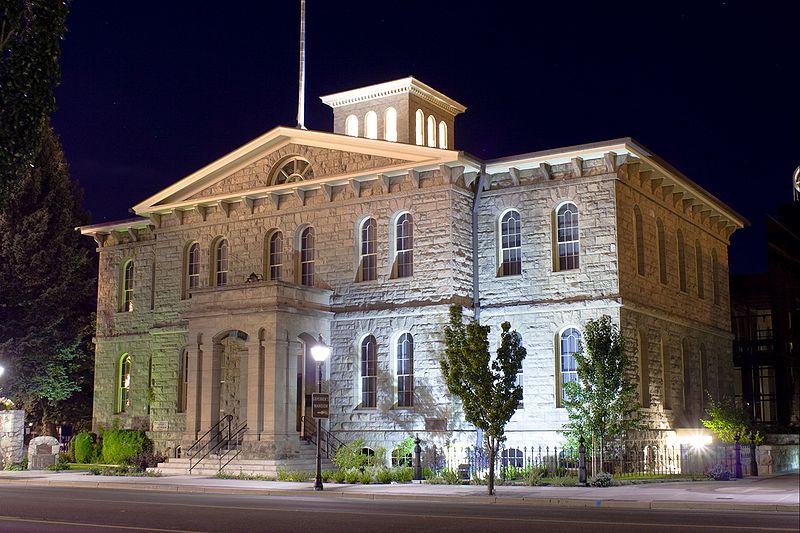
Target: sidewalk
767,493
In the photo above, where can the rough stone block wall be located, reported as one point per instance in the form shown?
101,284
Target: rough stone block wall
379,105
12,437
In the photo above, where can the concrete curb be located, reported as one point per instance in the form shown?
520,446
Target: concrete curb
504,500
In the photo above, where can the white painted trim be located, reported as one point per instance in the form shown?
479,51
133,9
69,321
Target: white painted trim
390,88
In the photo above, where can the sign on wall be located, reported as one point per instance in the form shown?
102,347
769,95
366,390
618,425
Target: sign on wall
320,405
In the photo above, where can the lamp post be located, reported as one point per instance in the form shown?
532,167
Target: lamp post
320,353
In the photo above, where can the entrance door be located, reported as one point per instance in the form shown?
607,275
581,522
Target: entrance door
233,380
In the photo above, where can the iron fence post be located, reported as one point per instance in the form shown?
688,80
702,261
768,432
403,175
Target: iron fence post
753,461
417,459
582,462
738,455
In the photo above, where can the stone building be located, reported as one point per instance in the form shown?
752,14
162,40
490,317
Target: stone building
210,298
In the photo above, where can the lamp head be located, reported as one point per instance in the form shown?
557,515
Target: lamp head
2,369
320,351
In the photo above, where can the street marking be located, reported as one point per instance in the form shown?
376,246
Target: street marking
442,516
88,524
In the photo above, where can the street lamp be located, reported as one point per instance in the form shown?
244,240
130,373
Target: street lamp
2,369
320,353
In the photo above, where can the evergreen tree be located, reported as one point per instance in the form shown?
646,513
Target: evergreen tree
487,387
603,401
47,290
30,34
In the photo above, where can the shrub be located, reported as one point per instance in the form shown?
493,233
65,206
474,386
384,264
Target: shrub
603,479
121,444
402,474
61,464
352,476
383,475
350,456
146,459
534,477
565,481
719,472
82,447
727,420
327,475
366,477
339,476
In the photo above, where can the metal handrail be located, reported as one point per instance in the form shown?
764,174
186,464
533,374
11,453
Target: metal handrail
331,443
204,449
237,436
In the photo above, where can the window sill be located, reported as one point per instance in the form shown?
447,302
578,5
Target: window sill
365,409
510,276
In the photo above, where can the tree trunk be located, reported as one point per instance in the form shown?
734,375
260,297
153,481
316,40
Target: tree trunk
491,443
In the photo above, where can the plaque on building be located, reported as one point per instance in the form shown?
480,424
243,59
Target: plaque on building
160,425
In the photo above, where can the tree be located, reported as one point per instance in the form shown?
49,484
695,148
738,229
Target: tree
728,420
47,288
603,401
486,386
30,34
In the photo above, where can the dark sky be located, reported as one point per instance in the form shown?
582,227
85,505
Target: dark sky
151,91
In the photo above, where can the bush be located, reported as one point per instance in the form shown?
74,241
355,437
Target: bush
402,474
352,476
121,444
719,472
83,447
349,456
61,464
366,477
727,420
564,481
146,459
339,476
534,478
383,475
603,479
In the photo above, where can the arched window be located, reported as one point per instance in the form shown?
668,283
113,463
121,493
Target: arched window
420,127
390,124
644,368
183,381
221,263
662,251
512,457
369,372
703,376
192,269
403,266
405,370
127,287
715,276
124,384
569,344
698,258
681,262
567,237
401,457
510,244
442,134
351,126
666,375
431,131
275,255
368,258
371,125
307,257
639,237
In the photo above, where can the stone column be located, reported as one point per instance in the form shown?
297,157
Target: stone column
255,390
194,392
209,401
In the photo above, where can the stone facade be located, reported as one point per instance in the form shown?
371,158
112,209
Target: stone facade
247,342
12,437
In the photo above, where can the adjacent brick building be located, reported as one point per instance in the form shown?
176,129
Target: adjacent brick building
210,298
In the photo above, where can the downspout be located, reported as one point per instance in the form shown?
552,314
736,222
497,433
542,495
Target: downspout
476,293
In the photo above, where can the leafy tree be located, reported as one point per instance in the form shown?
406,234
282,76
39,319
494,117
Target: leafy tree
727,420
603,401
47,290
486,386
30,34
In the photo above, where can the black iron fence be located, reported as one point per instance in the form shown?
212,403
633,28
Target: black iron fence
619,459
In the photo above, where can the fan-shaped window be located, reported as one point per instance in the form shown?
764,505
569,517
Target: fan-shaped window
292,170
510,244
307,257
127,287
681,262
405,370
124,384
567,237
442,134
368,260
351,126
369,372
390,124
371,125
221,263
698,256
420,127
569,345
275,255
431,131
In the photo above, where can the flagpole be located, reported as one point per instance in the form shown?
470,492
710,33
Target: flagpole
302,88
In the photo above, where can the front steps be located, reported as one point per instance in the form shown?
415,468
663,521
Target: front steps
210,466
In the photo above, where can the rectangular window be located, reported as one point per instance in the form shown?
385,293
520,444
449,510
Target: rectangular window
764,394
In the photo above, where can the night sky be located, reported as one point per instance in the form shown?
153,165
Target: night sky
152,91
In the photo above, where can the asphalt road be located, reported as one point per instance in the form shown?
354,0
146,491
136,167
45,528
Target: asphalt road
80,510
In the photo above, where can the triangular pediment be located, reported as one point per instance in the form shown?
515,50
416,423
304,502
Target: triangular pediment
320,157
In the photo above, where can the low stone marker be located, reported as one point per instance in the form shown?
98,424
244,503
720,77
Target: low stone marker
42,452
